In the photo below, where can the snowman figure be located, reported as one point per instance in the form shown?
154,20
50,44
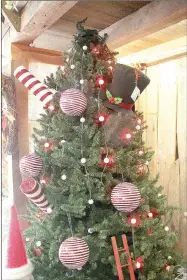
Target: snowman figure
17,266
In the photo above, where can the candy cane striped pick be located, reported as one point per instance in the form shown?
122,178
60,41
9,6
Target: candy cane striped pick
35,193
40,90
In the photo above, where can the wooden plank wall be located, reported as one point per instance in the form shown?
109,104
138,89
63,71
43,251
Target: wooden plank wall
164,104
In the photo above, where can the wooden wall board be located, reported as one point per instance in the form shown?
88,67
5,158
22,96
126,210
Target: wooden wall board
173,192
164,104
167,121
182,147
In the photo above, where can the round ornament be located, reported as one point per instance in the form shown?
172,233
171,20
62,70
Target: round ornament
73,102
31,165
125,197
74,253
83,160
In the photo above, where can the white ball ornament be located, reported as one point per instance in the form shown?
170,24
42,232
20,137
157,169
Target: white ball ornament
168,268
38,243
159,195
27,239
72,66
85,48
46,145
106,160
81,81
63,141
138,127
82,120
101,118
63,177
74,253
90,201
125,197
147,162
90,230
150,215
73,102
83,160
49,210
128,136
169,257
166,228
133,221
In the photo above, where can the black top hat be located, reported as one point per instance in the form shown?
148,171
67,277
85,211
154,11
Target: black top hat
127,84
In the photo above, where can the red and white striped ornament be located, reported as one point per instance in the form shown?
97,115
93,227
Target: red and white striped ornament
125,197
35,193
41,91
31,165
73,102
74,253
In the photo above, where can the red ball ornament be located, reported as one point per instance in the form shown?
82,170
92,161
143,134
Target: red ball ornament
125,197
150,232
167,267
140,153
49,145
51,108
45,180
140,169
111,68
73,102
100,81
126,136
153,213
31,165
139,263
134,221
95,49
101,118
37,252
139,121
74,253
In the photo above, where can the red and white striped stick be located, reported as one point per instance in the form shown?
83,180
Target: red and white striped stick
35,193
40,90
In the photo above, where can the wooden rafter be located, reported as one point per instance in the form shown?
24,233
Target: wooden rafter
38,16
151,18
12,17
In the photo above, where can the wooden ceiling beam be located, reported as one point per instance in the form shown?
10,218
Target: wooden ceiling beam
11,17
151,18
38,16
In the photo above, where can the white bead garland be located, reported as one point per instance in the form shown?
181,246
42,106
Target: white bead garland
82,120
83,160
38,243
90,201
63,177
166,228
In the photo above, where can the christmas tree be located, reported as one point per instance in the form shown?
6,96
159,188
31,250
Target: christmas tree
89,176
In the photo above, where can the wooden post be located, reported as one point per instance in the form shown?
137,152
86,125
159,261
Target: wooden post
24,55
